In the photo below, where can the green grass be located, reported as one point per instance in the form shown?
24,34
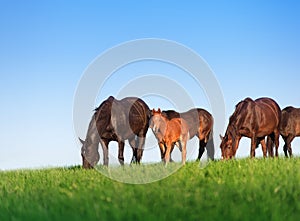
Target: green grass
258,189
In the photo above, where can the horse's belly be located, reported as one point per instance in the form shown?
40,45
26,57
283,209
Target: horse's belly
264,132
245,132
110,135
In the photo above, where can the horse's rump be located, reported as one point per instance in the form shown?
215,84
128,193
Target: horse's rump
290,121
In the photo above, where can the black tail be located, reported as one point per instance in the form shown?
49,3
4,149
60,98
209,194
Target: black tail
270,146
210,146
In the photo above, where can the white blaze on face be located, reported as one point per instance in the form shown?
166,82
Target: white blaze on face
154,128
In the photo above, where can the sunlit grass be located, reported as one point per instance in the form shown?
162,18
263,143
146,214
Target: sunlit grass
258,189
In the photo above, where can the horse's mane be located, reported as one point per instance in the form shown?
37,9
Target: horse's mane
238,109
234,117
105,107
288,109
104,103
169,114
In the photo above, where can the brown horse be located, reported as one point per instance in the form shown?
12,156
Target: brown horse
289,127
168,133
253,119
116,120
200,124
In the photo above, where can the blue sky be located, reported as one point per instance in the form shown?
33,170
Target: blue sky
253,47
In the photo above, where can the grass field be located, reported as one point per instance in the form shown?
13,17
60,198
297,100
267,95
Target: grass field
258,189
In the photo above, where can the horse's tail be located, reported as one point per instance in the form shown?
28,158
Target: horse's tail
210,146
149,113
270,146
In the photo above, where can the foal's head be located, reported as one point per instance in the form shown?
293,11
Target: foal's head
157,120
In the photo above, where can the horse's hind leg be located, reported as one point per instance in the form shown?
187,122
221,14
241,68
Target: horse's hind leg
288,145
172,148
285,146
264,147
276,141
121,152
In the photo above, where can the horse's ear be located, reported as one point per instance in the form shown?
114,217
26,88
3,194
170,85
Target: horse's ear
159,111
221,137
153,111
81,141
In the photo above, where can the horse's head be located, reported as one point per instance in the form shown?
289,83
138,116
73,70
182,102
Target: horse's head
89,154
226,146
156,120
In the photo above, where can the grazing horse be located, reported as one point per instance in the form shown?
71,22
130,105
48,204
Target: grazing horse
116,120
253,119
200,124
289,127
169,132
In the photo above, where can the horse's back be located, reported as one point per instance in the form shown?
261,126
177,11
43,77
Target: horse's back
267,100
176,127
102,116
268,114
194,118
270,107
122,118
261,116
200,121
206,118
136,108
206,124
132,117
170,114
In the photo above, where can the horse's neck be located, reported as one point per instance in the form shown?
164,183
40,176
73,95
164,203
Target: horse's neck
237,121
233,129
235,125
92,134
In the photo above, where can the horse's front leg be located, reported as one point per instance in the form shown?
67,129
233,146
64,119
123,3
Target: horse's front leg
162,149
183,153
263,147
104,143
253,146
141,137
168,152
121,152
132,143
140,147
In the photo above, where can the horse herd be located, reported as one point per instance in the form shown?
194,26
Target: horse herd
129,119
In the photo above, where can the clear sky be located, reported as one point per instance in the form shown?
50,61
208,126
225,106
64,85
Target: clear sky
253,47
